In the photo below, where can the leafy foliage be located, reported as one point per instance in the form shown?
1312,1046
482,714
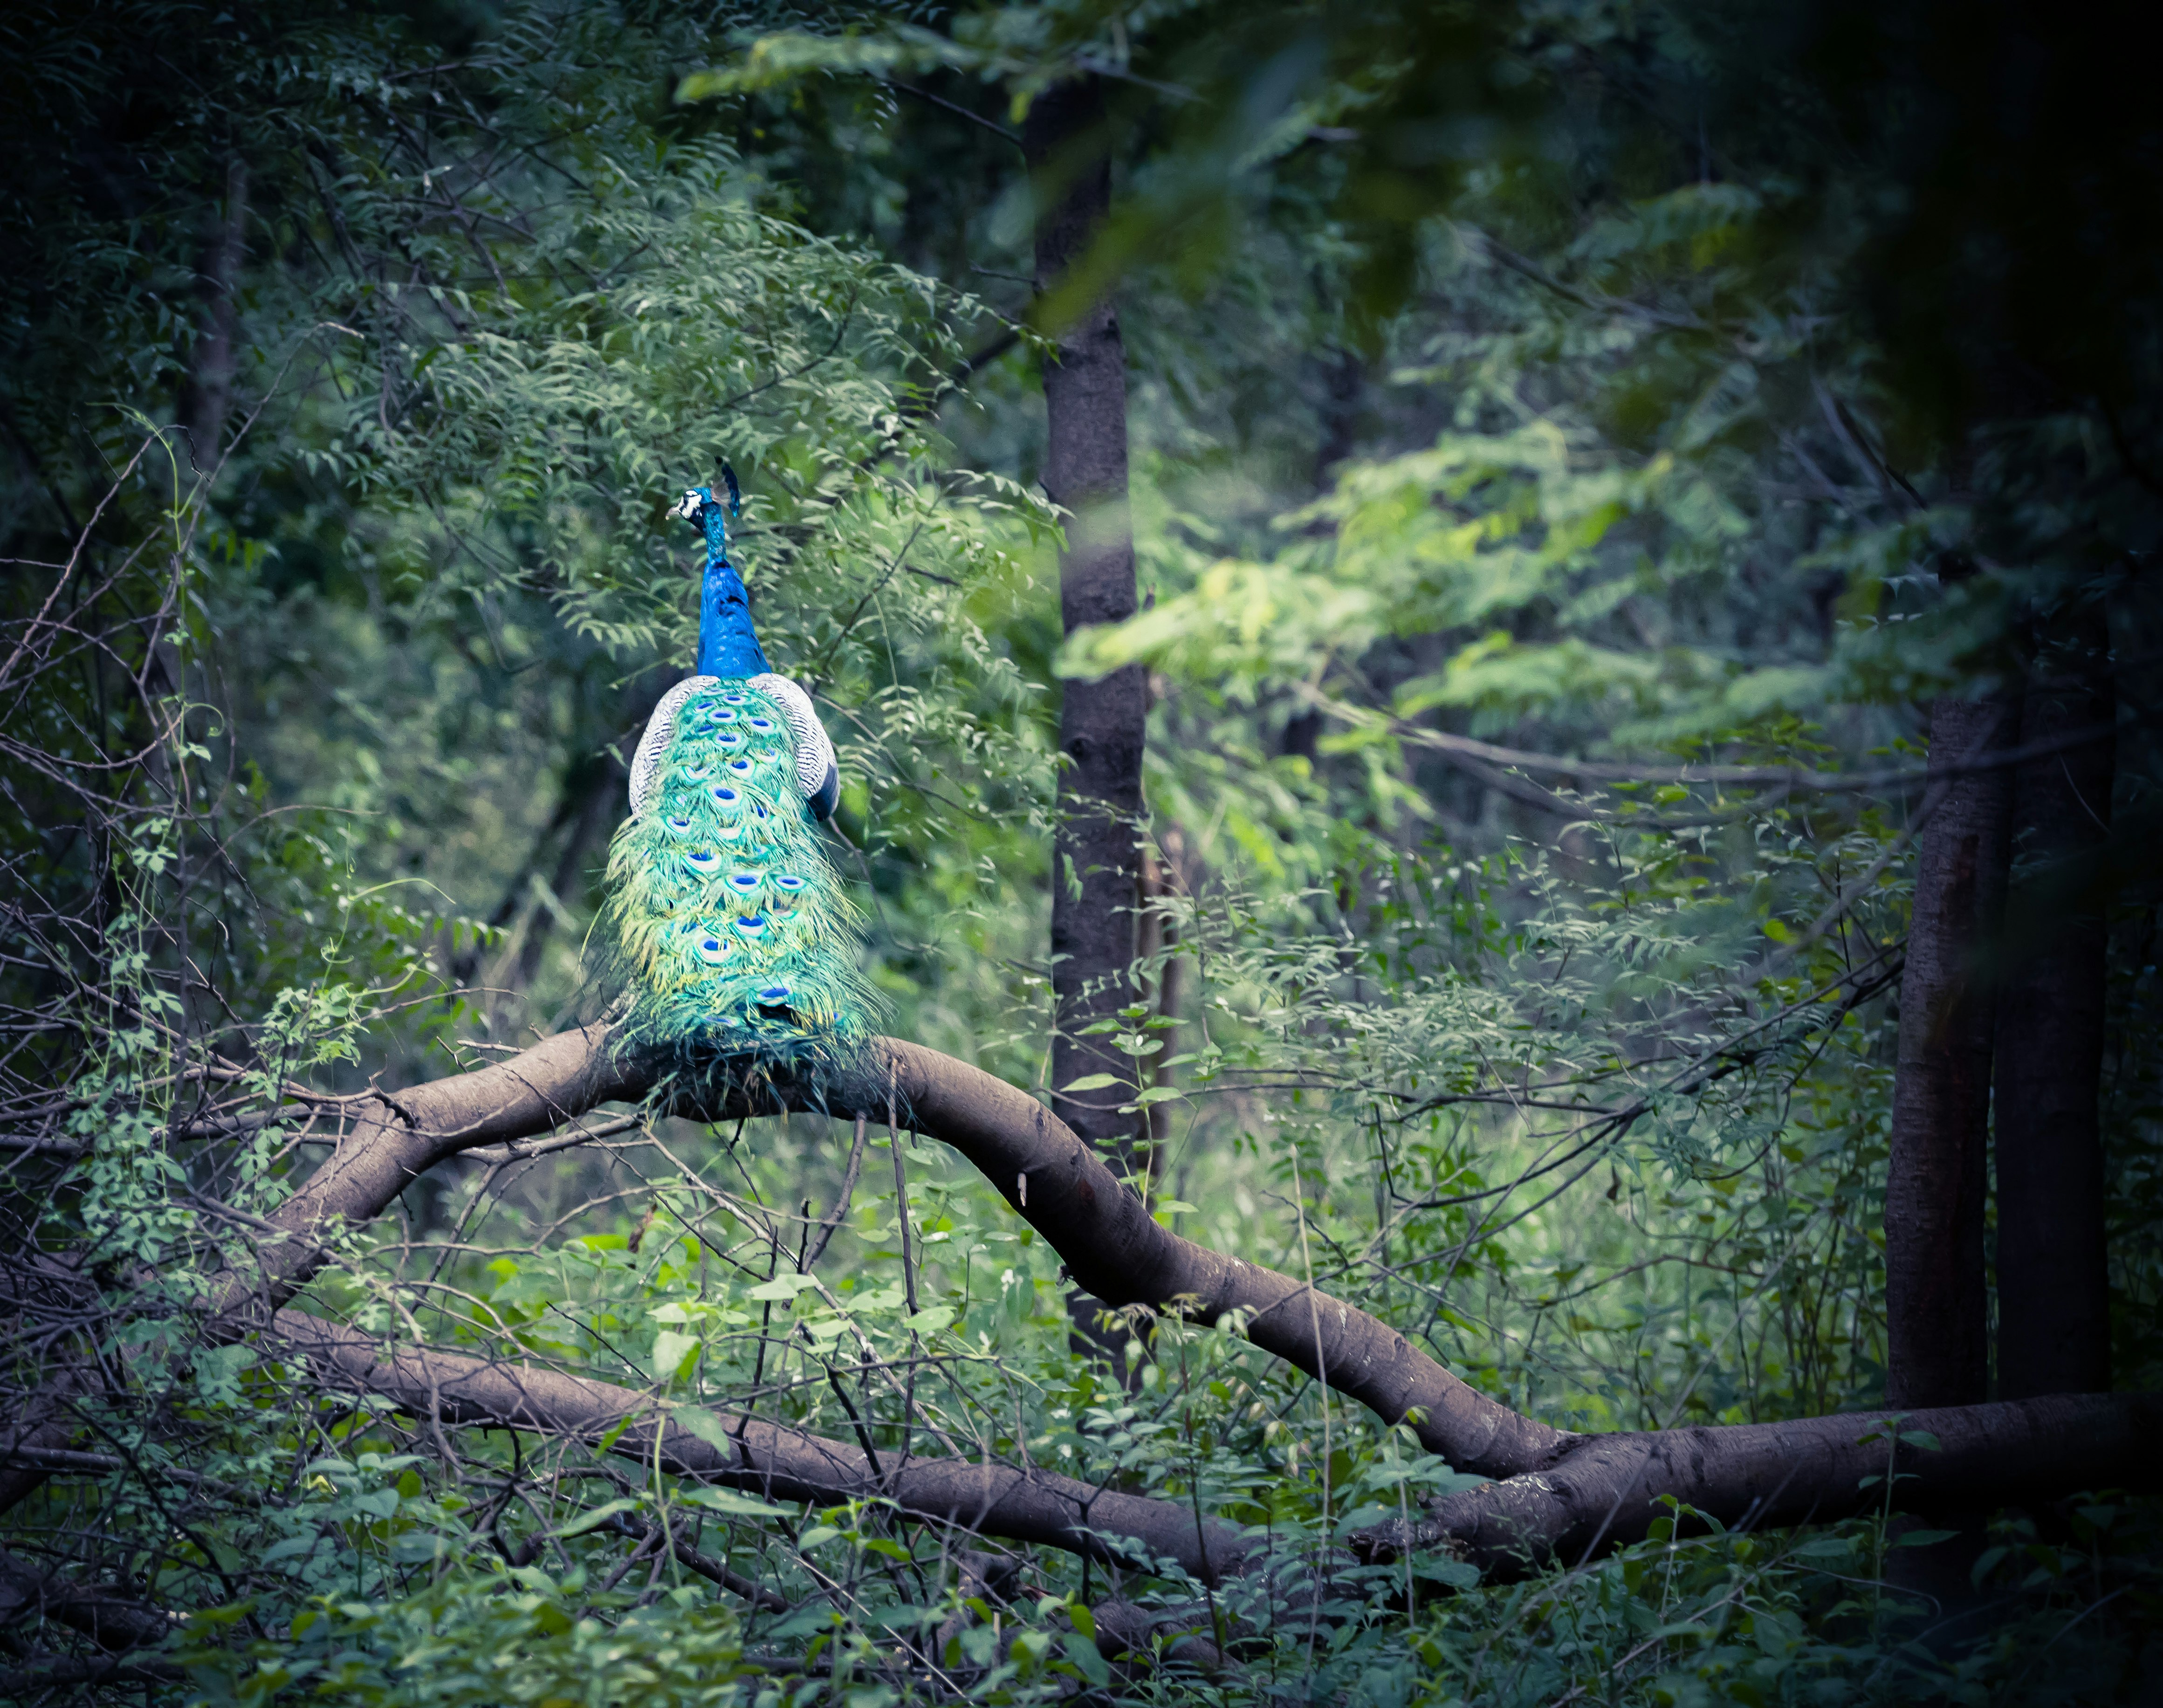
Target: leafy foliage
1542,510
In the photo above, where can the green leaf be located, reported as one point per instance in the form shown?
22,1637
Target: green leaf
1923,1538
1082,1651
595,1516
1092,1082
784,1286
672,1350
733,1504
696,1420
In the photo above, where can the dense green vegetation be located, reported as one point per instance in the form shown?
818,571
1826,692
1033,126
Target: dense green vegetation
1571,446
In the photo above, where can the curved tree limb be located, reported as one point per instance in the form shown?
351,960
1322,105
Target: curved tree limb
393,1140
1559,1495
1112,1246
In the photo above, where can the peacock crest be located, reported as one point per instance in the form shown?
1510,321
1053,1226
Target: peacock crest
729,938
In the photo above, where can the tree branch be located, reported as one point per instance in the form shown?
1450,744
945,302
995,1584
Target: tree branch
1559,1497
764,1459
1112,1247
1601,1492
107,1619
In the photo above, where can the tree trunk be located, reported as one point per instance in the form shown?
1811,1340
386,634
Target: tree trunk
1934,1305
2053,1289
210,381
1096,864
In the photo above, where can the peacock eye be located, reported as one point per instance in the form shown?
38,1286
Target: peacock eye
721,715
752,925
745,881
791,884
740,766
678,826
702,861
697,771
735,700
728,739
723,795
763,726
710,949
774,995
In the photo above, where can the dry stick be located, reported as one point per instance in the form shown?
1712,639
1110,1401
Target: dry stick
54,1458
907,1266
517,1152
900,1186
1322,1379
848,1192
51,1671
856,1423
1464,747
649,1541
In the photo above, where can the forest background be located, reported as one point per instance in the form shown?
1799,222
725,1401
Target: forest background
1550,738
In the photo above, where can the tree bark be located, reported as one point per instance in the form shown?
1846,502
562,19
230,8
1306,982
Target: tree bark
1938,1352
209,395
2053,1287
768,1459
1110,1244
1558,1495
1096,867
107,1618
1601,1492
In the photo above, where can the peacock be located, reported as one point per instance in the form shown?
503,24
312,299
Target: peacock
732,945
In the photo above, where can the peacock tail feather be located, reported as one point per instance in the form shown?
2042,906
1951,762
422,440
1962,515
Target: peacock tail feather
728,936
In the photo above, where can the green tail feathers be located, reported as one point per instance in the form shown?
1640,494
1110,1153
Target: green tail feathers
726,926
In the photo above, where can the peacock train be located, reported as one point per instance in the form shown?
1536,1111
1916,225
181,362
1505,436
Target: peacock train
732,948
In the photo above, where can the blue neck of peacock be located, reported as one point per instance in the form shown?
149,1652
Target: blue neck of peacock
728,644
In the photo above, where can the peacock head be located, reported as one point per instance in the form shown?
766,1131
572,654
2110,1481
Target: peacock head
693,505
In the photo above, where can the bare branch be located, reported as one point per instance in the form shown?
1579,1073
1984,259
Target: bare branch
767,1460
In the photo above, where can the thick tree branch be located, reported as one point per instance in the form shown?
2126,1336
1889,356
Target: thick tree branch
1601,1492
51,1672
109,1619
765,1459
1116,1249
393,1140
1560,1497
1112,1246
